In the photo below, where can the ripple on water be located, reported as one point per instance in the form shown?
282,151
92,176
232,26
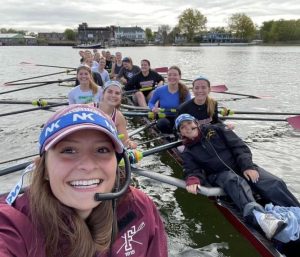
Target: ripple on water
211,250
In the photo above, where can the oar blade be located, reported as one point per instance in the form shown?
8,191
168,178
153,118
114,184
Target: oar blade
294,122
26,63
219,88
161,69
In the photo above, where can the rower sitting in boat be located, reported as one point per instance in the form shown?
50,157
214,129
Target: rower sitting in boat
169,97
116,66
145,80
202,106
216,154
127,71
110,103
87,91
79,202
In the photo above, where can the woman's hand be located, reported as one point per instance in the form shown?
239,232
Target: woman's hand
192,188
156,109
252,175
130,144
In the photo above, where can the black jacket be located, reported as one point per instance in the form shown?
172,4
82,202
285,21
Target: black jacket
216,148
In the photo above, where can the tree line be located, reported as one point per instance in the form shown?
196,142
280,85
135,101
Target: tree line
192,25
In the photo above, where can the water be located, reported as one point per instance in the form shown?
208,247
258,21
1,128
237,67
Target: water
194,226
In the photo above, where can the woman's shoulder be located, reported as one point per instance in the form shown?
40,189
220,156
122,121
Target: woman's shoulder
163,88
20,207
139,199
22,239
75,89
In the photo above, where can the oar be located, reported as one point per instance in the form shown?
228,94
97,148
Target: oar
50,66
250,96
39,102
33,109
133,107
139,154
14,168
146,109
207,191
128,92
17,159
138,130
162,69
41,76
226,112
24,88
150,115
162,148
218,88
215,89
39,82
293,121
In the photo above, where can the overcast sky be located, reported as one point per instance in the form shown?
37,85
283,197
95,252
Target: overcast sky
57,15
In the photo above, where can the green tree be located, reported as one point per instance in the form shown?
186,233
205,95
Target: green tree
280,31
218,29
242,26
265,31
70,34
191,21
4,30
149,34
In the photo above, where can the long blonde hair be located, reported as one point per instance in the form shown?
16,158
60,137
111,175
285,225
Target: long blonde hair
211,106
182,88
92,85
62,226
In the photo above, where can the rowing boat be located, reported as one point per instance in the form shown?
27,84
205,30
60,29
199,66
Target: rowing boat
89,46
263,246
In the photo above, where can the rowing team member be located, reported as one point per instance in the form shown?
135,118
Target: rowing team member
144,83
79,202
215,154
169,97
108,99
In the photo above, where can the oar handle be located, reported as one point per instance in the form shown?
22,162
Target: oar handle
135,155
150,115
33,109
226,112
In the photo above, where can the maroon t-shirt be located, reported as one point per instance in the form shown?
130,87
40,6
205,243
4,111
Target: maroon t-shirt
141,231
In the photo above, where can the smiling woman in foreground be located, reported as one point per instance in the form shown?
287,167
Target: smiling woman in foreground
79,202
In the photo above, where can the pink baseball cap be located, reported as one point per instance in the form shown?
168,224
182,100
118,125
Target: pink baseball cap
77,117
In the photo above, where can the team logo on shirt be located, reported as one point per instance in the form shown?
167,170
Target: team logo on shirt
210,133
129,240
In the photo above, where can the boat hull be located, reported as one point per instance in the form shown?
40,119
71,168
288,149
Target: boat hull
264,247
95,46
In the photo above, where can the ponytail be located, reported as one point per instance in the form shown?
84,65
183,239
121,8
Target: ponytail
211,106
183,92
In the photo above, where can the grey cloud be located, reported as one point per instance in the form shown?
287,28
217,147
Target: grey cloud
44,14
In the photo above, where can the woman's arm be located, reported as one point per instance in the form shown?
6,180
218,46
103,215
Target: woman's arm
121,126
153,99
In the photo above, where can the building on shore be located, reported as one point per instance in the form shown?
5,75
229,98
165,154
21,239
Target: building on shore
95,35
130,36
54,39
51,36
16,39
111,36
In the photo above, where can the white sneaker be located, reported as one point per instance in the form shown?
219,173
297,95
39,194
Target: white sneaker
269,223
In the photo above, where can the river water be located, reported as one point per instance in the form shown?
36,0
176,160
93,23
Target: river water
194,226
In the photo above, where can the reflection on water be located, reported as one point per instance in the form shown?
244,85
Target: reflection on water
194,226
